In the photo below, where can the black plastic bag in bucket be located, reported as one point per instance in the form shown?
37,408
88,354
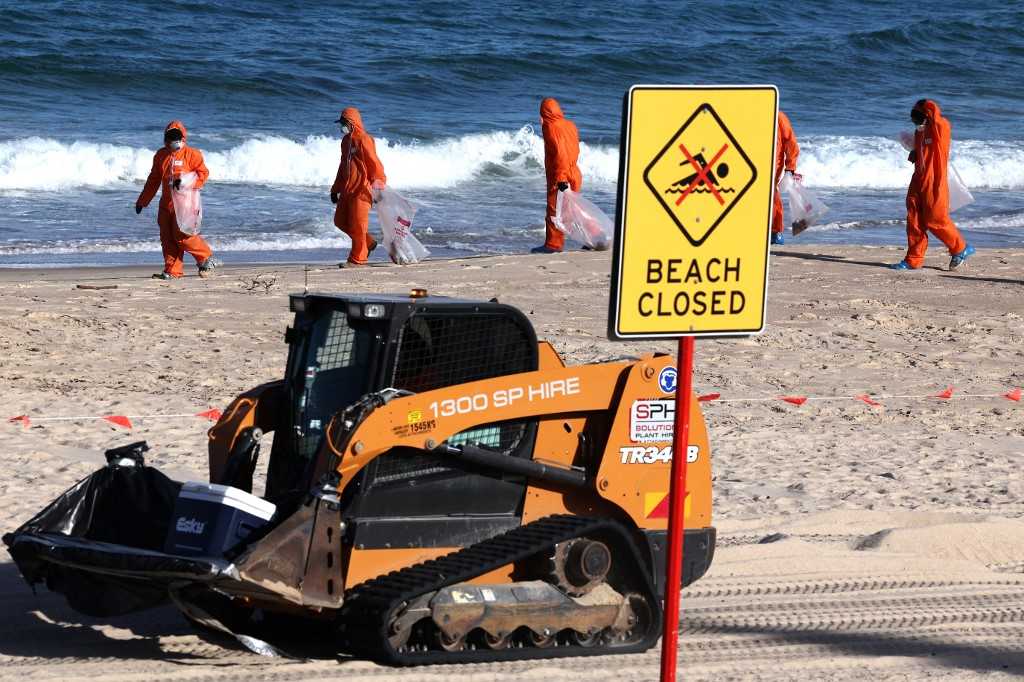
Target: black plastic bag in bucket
116,519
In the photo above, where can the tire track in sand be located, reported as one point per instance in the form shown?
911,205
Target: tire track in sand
798,628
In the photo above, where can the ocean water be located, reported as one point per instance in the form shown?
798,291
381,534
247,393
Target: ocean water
451,92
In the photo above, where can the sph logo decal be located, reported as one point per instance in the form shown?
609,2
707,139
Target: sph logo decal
667,380
652,421
640,454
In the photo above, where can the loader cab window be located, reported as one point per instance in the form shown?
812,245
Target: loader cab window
437,350
329,367
441,349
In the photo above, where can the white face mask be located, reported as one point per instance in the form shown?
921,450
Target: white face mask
920,127
345,130
177,144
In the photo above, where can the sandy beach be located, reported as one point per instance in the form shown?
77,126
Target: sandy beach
854,540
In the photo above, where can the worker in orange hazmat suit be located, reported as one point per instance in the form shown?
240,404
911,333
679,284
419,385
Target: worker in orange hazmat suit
170,162
360,174
928,194
787,151
561,152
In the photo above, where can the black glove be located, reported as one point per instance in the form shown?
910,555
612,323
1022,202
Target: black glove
334,197
562,186
176,184
138,209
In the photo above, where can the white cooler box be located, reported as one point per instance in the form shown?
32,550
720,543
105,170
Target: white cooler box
210,519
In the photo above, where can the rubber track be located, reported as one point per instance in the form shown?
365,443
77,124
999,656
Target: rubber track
369,607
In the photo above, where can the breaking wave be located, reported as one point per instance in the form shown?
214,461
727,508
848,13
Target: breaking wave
255,242
43,164
881,163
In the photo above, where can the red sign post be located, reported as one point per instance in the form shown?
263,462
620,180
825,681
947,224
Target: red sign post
676,509
679,219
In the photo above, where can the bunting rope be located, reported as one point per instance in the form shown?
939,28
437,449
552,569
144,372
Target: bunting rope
122,420
869,399
872,400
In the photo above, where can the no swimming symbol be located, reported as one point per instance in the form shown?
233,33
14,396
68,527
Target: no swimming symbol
690,187
704,179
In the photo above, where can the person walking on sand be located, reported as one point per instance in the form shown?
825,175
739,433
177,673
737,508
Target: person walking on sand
928,194
170,162
360,175
561,152
787,151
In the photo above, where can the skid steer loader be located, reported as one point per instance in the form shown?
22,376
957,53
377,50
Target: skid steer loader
441,487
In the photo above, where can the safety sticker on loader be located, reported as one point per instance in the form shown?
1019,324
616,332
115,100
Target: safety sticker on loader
656,505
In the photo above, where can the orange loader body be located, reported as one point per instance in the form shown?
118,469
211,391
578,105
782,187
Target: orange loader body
446,490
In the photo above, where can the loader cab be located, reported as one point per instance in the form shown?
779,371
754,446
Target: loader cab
343,347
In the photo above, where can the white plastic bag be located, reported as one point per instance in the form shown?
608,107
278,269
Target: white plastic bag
805,208
907,140
579,219
395,214
188,205
959,195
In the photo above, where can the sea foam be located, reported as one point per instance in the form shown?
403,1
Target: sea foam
835,162
255,242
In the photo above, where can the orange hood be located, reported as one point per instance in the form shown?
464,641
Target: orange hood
351,114
180,126
550,110
929,108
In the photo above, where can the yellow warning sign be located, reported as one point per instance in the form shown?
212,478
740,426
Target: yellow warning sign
695,197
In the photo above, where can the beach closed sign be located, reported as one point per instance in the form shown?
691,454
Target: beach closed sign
697,172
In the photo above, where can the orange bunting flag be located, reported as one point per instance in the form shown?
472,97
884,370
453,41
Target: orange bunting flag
794,399
25,420
119,420
945,395
1012,395
867,399
213,414
708,397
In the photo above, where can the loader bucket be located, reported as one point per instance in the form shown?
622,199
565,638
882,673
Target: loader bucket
101,545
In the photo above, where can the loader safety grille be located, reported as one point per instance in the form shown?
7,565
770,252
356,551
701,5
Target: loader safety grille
443,350
435,351
332,379
400,464
403,463
337,350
